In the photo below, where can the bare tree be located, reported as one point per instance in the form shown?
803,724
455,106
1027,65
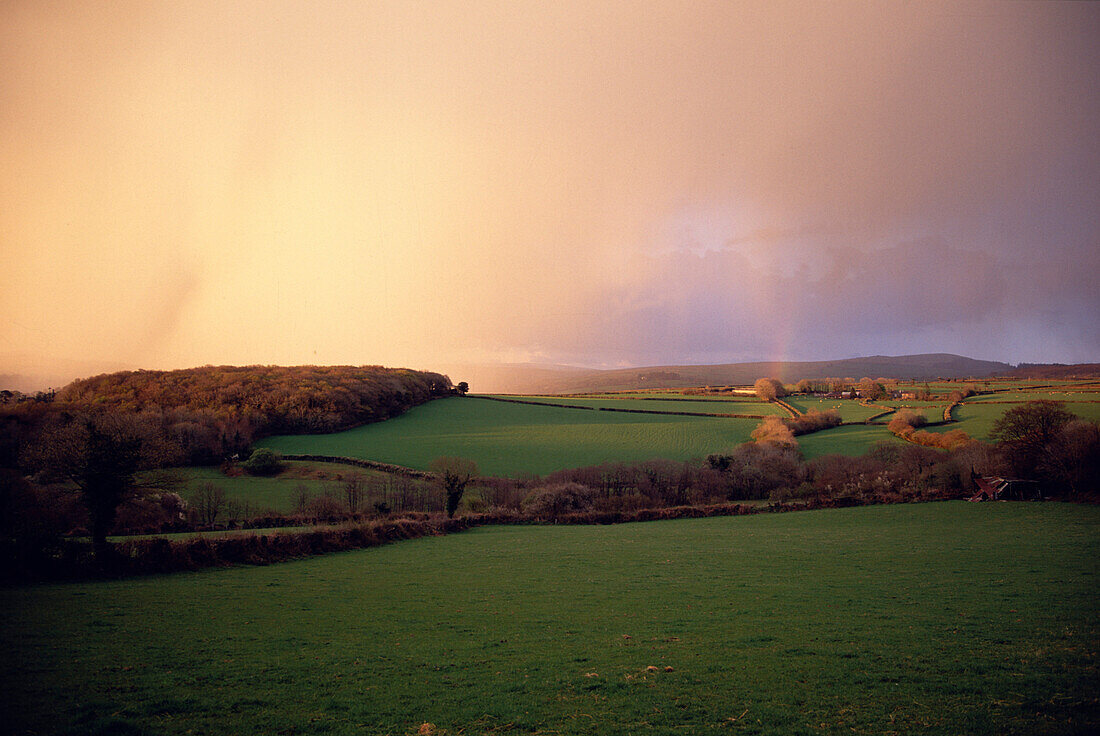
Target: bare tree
1024,431
301,498
209,501
1072,460
354,492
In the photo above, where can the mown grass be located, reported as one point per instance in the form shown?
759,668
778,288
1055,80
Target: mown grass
513,439
934,619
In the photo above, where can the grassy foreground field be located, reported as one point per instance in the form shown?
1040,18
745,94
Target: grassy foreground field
942,618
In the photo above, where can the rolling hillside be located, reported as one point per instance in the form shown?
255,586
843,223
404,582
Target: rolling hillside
527,378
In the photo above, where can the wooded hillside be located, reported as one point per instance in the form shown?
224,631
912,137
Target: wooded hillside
214,411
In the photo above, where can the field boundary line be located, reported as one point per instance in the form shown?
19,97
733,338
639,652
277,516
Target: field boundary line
624,411
369,464
795,413
885,410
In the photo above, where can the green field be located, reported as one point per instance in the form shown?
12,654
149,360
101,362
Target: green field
275,493
697,406
669,394
855,439
506,438
977,419
930,408
510,439
1056,395
944,618
850,411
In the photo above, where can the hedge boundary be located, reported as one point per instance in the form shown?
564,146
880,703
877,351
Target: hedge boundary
74,561
368,464
625,411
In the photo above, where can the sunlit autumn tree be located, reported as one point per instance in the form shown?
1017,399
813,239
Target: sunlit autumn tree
769,389
775,431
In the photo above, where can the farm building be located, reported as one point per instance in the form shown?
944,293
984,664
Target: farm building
993,488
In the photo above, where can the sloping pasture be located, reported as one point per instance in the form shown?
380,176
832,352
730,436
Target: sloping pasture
941,618
511,439
648,404
854,439
275,493
977,418
1062,394
850,411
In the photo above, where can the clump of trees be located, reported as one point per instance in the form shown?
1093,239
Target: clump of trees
263,462
1042,440
782,431
769,389
905,421
215,412
554,500
906,424
814,421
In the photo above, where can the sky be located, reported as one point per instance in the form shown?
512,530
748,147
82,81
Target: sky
597,184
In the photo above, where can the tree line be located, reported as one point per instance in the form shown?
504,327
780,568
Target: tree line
99,433
203,415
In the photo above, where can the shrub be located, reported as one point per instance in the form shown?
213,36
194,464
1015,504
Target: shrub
158,512
905,421
814,421
551,501
263,462
325,506
773,430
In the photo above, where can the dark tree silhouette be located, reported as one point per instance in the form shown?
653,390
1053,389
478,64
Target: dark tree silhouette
454,473
100,454
1025,431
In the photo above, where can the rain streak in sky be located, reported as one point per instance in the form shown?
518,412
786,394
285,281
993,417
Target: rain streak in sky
598,184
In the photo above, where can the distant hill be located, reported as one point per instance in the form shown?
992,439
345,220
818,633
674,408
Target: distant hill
520,378
1056,370
29,373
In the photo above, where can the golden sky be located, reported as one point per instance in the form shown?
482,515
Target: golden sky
601,184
